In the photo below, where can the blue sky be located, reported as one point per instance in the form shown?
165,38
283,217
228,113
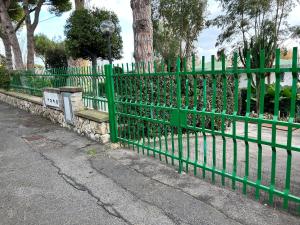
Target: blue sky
53,27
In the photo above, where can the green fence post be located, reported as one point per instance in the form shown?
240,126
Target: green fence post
111,103
179,105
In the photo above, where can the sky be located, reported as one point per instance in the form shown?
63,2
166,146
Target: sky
53,27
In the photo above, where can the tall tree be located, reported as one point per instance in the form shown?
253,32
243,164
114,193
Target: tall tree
143,30
9,33
84,38
177,25
16,14
252,25
184,20
56,7
165,43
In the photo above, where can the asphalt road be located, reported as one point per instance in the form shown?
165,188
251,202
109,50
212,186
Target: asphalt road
49,175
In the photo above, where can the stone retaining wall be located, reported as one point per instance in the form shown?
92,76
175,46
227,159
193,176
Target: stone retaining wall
98,131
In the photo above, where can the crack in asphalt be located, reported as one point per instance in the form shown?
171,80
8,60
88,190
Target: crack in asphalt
167,214
194,197
179,189
80,187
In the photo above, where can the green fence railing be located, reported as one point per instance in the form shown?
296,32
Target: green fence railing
192,119
92,81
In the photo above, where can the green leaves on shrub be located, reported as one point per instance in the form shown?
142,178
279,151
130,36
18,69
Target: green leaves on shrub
4,78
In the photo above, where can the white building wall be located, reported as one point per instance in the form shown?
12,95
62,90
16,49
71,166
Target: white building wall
286,80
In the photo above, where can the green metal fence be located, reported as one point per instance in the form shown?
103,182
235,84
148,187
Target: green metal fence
188,118
191,118
91,80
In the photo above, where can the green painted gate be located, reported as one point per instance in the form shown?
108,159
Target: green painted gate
191,119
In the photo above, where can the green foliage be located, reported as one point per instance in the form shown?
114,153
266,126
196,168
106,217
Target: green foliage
56,7
253,25
52,52
56,57
249,26
176,22
59,6
15,11
92,152
33,84
84,38
42,44
270,90
286,92
297,119
4,78
285,95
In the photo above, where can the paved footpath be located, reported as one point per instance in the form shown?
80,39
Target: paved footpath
49,175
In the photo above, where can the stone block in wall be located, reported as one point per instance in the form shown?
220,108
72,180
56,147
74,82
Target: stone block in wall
76,101
101,128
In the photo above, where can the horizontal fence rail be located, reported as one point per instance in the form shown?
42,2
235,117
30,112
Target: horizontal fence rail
91,80
194,119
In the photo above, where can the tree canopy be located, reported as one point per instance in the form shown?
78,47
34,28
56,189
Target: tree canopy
41,45
178,20
84,38
53,53
54,6
253,25
56,56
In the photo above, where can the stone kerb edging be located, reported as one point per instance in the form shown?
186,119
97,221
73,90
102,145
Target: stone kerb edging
89,123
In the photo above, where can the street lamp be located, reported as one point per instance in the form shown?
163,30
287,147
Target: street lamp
107,27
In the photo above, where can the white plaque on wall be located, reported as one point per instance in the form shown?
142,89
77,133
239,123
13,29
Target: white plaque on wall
51,99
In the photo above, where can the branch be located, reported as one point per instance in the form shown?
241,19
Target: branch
37,13
242,57
23,19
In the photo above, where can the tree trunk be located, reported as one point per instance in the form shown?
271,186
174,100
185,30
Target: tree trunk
7,47
8,53
143,30
30,28
79,4
30,49
11,34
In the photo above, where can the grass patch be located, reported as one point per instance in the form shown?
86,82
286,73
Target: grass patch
92,152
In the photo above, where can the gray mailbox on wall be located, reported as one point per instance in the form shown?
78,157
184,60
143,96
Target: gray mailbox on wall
72,102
